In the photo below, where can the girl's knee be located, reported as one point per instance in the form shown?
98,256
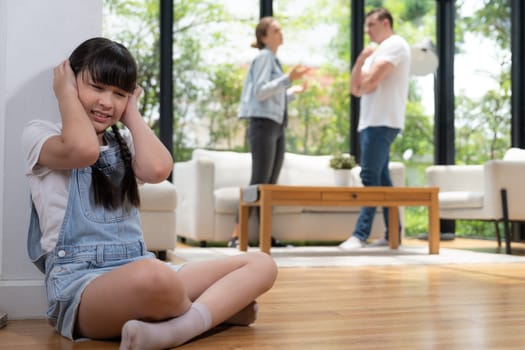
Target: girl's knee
157,282
264,264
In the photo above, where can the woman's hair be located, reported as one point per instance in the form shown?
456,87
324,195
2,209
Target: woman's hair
261,31
110,63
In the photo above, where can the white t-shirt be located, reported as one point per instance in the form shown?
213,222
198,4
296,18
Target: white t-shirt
49,188
385,106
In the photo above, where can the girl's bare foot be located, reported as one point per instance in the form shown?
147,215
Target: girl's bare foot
245,317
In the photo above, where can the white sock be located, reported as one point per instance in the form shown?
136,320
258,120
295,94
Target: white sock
138,335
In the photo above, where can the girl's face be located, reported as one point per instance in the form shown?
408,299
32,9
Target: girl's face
104,104
274,37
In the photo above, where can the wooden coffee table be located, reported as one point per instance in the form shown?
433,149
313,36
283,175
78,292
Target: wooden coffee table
390,197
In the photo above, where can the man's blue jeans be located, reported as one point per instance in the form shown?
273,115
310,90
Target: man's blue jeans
375,154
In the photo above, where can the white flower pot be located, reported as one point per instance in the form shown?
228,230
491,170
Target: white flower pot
342,177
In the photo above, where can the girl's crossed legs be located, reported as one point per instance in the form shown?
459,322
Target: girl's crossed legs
173,307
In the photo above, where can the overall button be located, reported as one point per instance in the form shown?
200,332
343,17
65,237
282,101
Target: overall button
61,253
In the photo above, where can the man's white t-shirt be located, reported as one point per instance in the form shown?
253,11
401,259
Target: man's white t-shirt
385,106
49,187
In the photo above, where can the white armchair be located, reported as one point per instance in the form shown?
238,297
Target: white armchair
493,191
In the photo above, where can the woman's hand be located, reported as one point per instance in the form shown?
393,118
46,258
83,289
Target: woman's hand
132,106
297,72
64,81
297,89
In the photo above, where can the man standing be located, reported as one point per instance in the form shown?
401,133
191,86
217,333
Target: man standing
380,78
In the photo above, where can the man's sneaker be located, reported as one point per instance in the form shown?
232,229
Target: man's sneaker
233,242
383,242
278,243
352,243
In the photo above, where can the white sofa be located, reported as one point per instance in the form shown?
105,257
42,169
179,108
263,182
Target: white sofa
208,188
157,216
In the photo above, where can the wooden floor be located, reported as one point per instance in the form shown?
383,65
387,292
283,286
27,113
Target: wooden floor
399,307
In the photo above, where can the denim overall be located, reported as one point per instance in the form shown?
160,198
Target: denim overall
92,240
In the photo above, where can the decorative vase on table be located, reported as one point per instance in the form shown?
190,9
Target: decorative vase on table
342,177
342,164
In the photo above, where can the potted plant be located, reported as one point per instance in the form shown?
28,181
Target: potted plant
342,164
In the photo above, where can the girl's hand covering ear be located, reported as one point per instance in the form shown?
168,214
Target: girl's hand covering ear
64,81
132,105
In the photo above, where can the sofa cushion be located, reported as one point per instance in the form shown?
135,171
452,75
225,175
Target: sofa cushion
460,199
231,168
306,170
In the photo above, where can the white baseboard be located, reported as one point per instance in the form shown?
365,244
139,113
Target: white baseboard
23,299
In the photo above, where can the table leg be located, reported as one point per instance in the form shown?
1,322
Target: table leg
265,230
243,226
433,225
393,228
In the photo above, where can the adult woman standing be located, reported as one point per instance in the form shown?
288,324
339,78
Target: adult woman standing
266,93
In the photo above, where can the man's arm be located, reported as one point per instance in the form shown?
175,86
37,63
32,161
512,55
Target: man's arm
365,82
371,80
357,74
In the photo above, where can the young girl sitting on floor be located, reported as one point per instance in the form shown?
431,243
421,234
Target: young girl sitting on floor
85,234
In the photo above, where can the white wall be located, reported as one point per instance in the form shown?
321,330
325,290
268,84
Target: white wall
35,36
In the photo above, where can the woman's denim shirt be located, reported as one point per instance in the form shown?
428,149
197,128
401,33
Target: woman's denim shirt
264,93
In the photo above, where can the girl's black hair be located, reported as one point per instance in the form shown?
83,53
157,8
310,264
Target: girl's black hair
107,61
110,63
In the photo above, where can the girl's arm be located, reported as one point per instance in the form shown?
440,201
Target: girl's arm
152,162
77,146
